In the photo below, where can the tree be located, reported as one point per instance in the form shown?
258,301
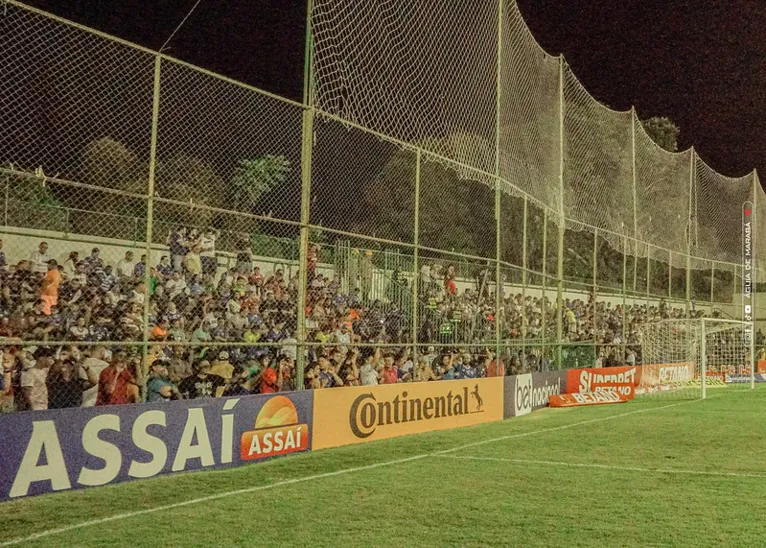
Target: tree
663,131
254,178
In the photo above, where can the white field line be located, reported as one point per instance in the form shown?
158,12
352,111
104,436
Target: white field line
163,508
608,467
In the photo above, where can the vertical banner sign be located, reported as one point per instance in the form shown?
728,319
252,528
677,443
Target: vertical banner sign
747,266
58,450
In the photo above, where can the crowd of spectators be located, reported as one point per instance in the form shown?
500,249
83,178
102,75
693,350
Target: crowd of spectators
216,331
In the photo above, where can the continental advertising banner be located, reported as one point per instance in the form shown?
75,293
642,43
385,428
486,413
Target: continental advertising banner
523,394
343,416
58,450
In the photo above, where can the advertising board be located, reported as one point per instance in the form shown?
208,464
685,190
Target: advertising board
359,414
58,450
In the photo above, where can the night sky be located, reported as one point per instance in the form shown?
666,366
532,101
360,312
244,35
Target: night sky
700,62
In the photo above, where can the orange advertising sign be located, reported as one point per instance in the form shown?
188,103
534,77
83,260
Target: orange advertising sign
616,379
586,398
276,432
356,414
665,376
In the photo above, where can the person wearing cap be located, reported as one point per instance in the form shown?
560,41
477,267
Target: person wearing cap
202,384
222,367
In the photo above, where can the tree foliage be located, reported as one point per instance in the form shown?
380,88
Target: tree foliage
663,131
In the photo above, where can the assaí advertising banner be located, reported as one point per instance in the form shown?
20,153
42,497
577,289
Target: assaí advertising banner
620,379
57,450
358,414
528,392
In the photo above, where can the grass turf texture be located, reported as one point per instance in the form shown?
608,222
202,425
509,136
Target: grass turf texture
448,500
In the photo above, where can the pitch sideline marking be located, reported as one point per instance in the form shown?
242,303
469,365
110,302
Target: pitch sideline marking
126,515
607,466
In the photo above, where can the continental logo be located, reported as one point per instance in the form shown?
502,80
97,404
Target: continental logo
277,431
367,413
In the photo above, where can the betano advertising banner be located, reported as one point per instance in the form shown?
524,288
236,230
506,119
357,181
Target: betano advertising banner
343,416
45,451
664,376
525,393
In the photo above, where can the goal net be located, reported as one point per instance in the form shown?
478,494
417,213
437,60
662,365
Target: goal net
688,358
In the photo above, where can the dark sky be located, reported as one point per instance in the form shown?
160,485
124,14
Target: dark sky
700,62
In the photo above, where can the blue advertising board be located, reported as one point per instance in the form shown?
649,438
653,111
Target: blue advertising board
58,450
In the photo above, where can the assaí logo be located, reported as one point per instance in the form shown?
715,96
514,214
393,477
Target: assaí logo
367,413
277,431
529,396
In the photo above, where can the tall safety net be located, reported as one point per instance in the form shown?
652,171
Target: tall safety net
685,359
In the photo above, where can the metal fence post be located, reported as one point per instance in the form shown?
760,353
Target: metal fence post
561,224
689,239
307,143
635,199
498,197
754,277
149,222
415,260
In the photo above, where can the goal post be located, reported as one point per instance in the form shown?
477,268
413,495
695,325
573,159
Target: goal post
686,358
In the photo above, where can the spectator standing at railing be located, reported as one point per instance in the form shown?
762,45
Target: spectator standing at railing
93,262
68,381
39,259
207,251
49,290
178,245
126,266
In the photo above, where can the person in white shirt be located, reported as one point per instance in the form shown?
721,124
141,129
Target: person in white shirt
96,362
40,258
126,266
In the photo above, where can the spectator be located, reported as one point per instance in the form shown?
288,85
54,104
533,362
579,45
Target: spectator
178,247
49,293
36,363
97,360
39,259
68,381
126,267
159,388
115,381
203,384
139,271
2,256
207,251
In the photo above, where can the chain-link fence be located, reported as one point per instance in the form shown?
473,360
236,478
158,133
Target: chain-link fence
448,201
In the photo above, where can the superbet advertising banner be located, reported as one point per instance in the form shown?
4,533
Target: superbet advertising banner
620,379
525,393
58,450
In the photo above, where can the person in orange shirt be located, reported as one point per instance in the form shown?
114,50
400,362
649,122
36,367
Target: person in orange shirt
49,293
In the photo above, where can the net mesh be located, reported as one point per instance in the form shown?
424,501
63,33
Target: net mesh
442,155
673,357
